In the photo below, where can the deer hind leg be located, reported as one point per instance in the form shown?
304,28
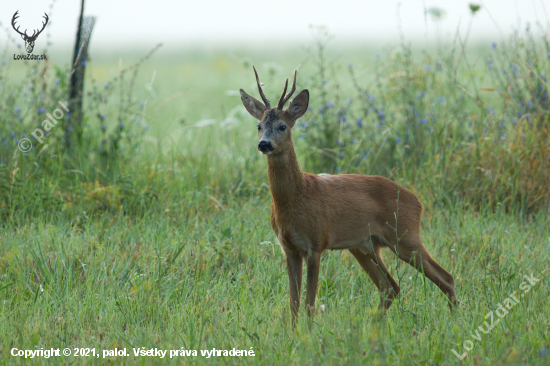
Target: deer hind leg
376,269
411,250
294,266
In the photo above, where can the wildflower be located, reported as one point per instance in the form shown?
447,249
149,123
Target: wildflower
46,133
485,131
529,63
26,94
325,82
440,99
359,122
56,81
530,104
42,95
420,95
348,100
372,99
5,142
102,127
438,66
423,120
543,352
17,110
381,115
23,134
527,116
30,87
330,105
377,55
69,116
20,117
303,137
41,110
501,124
398,139
427,67
101,115
363,156
350,65
100,147
146,128
407,134
491,110
514,68
514,121
308,107
503,72
416,115
320,109
356,163
34,71
341,155
5,63
84,63
70,128
142,105
353,141
494,45
304,124
106,85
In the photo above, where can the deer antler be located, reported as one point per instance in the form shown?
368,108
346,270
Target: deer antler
43,24
15,16
284,98
266,101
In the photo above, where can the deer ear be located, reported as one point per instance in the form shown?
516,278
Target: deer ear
253,105
298,106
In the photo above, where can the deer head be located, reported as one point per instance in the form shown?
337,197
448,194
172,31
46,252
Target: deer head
29,40
275,123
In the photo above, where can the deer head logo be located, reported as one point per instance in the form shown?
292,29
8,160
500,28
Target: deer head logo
29,40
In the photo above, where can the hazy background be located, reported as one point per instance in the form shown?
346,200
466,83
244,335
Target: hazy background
131,24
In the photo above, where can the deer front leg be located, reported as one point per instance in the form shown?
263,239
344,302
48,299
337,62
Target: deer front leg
313,262
294,266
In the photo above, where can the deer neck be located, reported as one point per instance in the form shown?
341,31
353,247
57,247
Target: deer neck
286,180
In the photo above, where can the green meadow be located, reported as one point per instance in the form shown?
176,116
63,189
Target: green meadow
151,229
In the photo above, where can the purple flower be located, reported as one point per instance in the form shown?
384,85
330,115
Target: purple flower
325,82
398,139
543,352
5,142
440,99
5,63
23,134
530,104
341,155
142,105
494,45
41,110
381,115
359,122
423,120
121,126
527,116
84,63
106,85
146,128
17,110
101,115
427,67
30,87
330,105
42,95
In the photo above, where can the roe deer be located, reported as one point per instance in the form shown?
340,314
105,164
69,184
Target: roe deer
312,213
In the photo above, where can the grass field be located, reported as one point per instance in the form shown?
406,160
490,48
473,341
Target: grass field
164,241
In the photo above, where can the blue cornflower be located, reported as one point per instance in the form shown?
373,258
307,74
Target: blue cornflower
101,115
30,87
146,128
5,63
23,134
440,99
529,63
308,107
41,110
121,126
407,134
20,117
359,122
356,163
427,67
501,124
372,99
420,95
320,109
381,115
527,116
5,142
530,104
398,139
100,147
17,110
330,105
325,82
70,128
485,131
494,45
34,71
341,155
416,115
423,120
84,63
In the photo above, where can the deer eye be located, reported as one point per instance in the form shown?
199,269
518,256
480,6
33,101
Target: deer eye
282,128
259,127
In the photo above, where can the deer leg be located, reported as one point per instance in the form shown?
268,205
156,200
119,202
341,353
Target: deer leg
412,251
313,262
294,266
375,268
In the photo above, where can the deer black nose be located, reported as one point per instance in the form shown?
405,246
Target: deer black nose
265,146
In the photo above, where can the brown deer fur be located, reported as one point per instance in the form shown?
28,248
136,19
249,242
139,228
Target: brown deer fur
312,213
